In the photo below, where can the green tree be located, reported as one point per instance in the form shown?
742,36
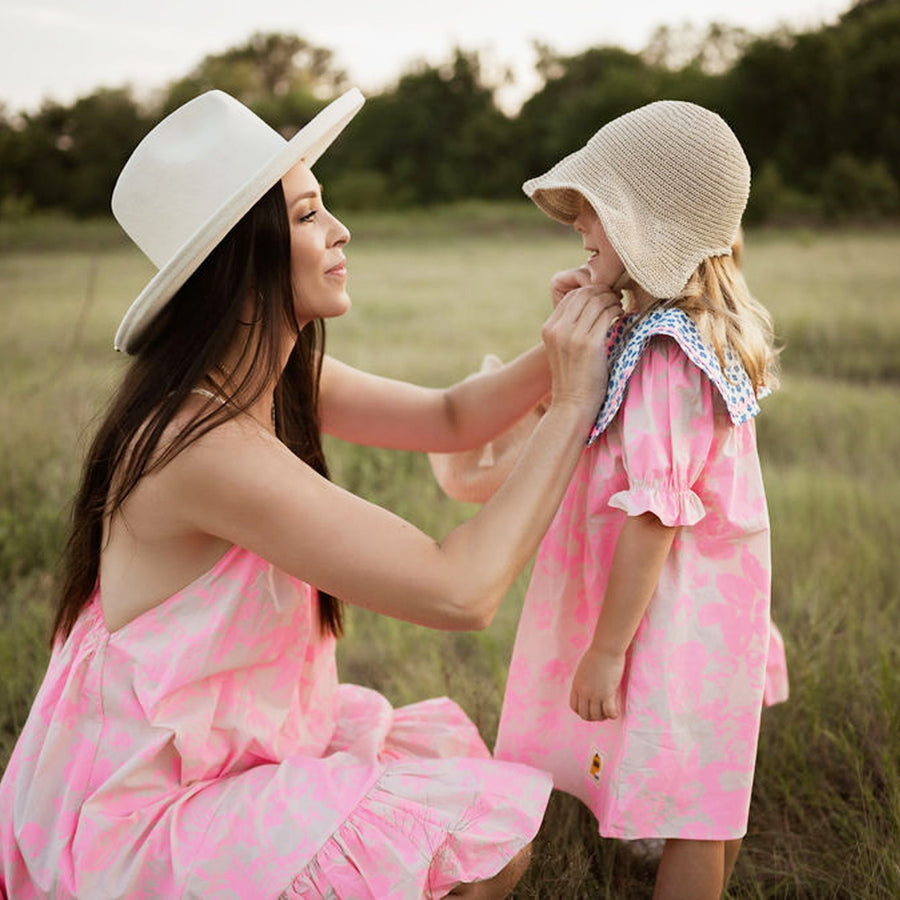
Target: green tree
437,136
580,94
282,77
806,101
783,100
10,195
35,163
69,157
860,191
870,112
101,131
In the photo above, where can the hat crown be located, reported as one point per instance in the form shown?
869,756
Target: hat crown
179,176
679,159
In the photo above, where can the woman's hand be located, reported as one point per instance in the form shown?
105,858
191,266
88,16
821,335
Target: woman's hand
596,693
572,279
568,280
574,337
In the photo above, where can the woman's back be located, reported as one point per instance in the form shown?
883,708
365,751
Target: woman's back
150,549
227,674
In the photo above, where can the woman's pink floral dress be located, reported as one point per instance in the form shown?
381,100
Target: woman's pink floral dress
679,763
207,750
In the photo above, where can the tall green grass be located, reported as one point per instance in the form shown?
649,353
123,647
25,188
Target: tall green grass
434,291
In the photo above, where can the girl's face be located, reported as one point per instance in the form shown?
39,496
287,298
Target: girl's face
604,263
318,265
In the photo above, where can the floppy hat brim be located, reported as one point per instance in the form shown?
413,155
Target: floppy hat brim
307,145
643,251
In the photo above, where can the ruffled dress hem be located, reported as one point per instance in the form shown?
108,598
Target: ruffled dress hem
420,834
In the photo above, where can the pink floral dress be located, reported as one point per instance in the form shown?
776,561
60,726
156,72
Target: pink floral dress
673,441
207,750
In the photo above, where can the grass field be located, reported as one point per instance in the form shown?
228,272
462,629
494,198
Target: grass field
433,292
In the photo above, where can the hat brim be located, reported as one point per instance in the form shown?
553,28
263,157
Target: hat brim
307,145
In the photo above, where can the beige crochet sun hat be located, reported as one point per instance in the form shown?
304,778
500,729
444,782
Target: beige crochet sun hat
669,182
194,176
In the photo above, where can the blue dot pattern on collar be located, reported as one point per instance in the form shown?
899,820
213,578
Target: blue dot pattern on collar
626,346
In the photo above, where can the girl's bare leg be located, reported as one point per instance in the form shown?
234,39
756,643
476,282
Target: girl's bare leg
501,885
731,852
691,870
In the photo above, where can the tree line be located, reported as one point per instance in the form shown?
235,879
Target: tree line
818,113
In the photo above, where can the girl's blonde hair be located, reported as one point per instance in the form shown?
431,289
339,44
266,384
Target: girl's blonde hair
718,301
727,315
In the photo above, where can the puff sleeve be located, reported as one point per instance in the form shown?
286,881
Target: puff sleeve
666,425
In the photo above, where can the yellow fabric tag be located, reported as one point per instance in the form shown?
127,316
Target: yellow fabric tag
595,768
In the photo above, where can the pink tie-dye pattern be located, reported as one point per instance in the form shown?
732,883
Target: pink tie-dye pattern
207,750
680,762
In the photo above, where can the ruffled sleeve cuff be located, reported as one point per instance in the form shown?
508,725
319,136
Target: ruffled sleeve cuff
671,507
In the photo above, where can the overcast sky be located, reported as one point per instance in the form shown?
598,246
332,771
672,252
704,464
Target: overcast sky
63,49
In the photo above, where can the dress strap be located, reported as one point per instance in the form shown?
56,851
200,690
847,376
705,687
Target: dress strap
208,394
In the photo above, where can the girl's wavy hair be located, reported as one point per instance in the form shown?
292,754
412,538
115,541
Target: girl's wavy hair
187,340
719,302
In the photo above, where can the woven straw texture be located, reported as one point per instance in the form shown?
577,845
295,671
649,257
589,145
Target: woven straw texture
669,182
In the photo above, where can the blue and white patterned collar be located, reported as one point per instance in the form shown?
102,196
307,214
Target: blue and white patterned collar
627,344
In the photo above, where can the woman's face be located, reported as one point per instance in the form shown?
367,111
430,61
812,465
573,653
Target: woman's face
318,266
604,263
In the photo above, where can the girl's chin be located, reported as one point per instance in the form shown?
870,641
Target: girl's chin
601,274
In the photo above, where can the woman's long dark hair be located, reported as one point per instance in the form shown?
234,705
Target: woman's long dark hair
186,341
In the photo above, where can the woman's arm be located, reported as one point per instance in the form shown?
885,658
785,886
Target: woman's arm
641,550
240,484
382,412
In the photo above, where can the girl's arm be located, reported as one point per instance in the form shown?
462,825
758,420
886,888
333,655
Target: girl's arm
382,412
643,545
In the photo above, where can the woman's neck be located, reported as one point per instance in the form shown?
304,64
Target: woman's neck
233,378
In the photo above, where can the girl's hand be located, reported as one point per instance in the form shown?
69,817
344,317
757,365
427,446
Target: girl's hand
596,693
568,280
574,337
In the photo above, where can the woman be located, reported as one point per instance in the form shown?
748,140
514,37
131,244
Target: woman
190,738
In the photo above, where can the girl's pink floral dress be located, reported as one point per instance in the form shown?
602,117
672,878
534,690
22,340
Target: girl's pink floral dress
673,441
207,750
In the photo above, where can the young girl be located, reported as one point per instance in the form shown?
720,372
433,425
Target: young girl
639,667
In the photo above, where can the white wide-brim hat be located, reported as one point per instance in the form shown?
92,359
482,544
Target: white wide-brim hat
669,182
194,176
